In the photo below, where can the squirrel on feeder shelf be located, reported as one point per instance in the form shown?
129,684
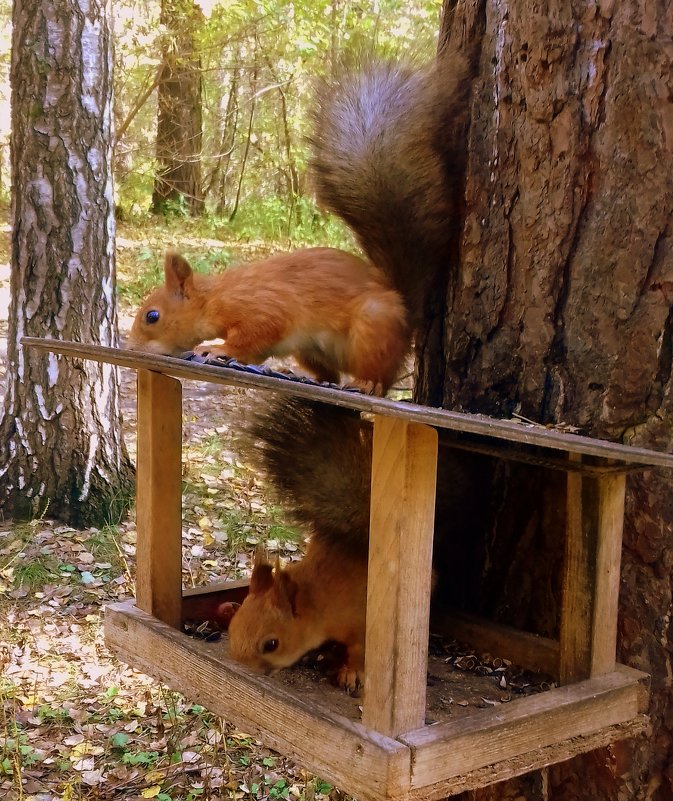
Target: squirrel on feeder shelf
316,459
330,309
381,150
382,146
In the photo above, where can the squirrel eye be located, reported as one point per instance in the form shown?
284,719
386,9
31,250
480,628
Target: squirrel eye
152,316
268,646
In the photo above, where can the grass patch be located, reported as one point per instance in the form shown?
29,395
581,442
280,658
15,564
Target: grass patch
24,564
106,546
227,512
212,244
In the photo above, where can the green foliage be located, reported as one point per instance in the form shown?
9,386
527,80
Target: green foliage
272,219
258,62
144,758
212,244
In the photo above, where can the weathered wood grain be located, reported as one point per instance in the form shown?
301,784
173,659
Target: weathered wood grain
521,647
594,522
532,760
404,471
492,736
159,496
360,761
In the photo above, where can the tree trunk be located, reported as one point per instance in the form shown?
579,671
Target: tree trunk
248,140
559,307
179,126
61,448
228,139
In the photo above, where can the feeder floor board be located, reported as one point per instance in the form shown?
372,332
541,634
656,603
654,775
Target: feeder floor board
465,752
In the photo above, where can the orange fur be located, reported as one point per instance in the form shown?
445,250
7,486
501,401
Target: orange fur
291,610
330,309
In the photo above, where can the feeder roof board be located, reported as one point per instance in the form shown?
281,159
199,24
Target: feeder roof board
505,434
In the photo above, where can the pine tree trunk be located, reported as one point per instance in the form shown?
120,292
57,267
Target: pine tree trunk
560,308
179,123
61,449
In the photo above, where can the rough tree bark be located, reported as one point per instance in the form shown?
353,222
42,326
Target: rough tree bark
179,122
559,307
61,448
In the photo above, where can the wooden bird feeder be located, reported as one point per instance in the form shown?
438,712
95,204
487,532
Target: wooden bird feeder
391,753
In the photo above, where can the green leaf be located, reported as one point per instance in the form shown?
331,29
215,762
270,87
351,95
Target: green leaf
120,739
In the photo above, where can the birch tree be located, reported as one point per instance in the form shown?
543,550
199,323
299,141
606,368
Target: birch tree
61,448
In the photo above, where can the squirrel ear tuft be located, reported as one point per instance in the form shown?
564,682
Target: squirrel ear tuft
178,274
286,590
262,577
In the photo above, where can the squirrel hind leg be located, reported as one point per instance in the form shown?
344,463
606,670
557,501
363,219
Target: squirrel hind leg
351,675
379,340
318,367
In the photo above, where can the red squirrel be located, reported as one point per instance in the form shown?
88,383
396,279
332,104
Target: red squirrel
316,459
332,311
383,141
294,609
382,146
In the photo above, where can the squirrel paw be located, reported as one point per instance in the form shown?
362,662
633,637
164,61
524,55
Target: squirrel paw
367,387
350,679
212,351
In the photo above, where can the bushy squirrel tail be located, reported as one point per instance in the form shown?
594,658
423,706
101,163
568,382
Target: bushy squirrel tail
317,462
385,150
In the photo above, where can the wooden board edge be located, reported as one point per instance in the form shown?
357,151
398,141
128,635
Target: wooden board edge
531,760
201,603
499,429
403,479
216,588
360,761
539,721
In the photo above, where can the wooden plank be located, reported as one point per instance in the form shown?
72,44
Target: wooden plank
588,632
404,471
610,521
492,736
577,589
514,453
532,760
521,647
360,761
507,430
217,588
159,497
